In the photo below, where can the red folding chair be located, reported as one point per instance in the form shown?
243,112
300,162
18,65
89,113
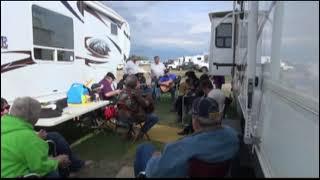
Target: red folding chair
199,168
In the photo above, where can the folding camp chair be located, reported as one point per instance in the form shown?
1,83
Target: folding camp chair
198,168
131,125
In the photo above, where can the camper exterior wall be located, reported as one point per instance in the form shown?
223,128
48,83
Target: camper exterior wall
285,118
49,80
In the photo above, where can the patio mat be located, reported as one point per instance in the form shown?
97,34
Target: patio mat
164,134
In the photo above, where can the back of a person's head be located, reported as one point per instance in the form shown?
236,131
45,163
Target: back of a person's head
26,108
206,83
204,77
131,81
193,75
124,76
206,111
219,96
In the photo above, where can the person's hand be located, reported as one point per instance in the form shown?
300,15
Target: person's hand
63,160
156,153
118,91
42,134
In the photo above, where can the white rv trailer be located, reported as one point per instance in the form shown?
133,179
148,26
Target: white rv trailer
279,105
48,45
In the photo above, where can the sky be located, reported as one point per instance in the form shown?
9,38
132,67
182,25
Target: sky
169,29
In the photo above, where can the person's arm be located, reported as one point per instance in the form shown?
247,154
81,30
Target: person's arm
35,153
168,164
112,93
141,100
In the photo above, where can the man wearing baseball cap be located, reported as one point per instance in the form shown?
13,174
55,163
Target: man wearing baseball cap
211,142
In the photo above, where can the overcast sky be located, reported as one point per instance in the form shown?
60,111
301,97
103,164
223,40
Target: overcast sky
168,28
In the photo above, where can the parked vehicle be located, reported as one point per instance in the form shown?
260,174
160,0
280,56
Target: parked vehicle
53,44
173,65
279,104
187,66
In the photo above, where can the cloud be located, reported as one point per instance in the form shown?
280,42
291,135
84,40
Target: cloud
183,26
179,42
201,28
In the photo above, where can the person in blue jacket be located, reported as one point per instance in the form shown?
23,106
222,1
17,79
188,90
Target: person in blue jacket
211,142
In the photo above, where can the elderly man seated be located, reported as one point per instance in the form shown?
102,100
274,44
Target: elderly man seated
210,143
133,107
22,150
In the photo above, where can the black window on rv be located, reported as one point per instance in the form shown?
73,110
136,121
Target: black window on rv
224,35
52,35
114,29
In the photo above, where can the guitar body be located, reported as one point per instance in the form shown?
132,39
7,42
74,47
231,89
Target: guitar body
166,86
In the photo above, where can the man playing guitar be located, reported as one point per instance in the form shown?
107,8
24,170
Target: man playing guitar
167,84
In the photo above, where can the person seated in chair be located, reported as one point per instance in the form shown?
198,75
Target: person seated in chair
108,92
144,87
204,88
22,151
167,83
211,143
62,146
187,88
133,107
121,83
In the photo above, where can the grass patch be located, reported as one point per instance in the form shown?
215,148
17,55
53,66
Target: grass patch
162,109
110,152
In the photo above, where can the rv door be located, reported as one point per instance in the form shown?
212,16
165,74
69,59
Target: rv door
220,53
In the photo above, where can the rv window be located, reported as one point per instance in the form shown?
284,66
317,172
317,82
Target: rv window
43,54
219,42
224,35
114,29
65,56
51,29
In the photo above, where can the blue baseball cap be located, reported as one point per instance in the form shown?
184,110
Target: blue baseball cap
205,107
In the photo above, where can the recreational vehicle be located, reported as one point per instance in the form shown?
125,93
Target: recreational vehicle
279,104
46,46
202,62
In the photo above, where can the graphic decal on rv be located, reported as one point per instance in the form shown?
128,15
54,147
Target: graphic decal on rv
98,47
95,14
80,7
116,45
90,61
125,33
67,5
18,63
91,11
